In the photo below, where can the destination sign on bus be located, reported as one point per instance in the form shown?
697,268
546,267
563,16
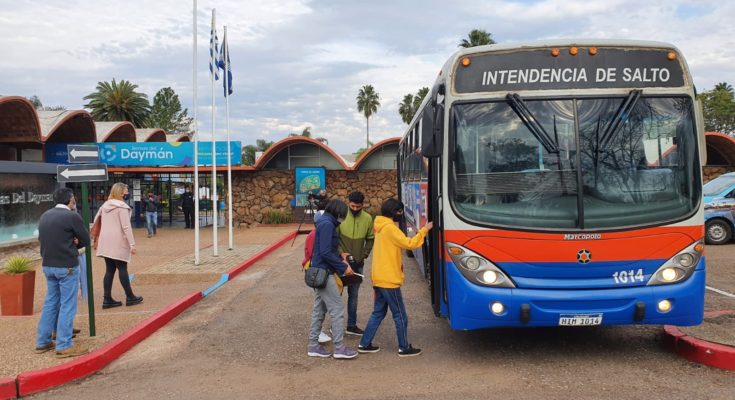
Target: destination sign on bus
539,70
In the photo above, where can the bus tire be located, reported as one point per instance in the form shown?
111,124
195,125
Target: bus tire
717,231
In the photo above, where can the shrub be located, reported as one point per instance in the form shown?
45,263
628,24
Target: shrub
277,217
17,265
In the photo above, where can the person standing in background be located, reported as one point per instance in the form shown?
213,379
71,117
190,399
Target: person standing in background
150,206
116,244
61,233
187,206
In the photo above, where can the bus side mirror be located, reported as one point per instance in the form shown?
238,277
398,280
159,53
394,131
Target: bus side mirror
432,129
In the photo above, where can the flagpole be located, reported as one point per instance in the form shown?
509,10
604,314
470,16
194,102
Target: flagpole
196,146
227,108
213,195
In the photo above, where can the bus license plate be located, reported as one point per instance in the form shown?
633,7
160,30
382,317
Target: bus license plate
580,320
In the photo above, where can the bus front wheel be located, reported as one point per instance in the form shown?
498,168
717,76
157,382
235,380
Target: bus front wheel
717,231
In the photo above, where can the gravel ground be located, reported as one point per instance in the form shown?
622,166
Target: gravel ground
248,340
18,334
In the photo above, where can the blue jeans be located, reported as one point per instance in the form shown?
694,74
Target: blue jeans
384,299
59,307
151,219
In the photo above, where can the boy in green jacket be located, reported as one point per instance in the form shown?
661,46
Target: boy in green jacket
356,237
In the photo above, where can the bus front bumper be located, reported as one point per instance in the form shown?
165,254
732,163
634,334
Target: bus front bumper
470,305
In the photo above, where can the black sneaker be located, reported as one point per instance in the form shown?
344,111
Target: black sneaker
353,330
134,300
368,349
110,303
409,352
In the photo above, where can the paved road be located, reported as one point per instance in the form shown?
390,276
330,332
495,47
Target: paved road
248,340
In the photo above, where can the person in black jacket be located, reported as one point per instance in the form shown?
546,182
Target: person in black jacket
61,232
187,206
326,255
150,206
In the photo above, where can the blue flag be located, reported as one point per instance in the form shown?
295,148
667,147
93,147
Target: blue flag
225,55
213,51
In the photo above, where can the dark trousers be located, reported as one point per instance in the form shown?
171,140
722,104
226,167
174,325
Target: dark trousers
112,265
189,217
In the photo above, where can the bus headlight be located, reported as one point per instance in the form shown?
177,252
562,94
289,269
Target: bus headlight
476,268
679,267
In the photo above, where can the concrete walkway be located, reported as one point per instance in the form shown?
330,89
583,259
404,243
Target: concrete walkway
164,271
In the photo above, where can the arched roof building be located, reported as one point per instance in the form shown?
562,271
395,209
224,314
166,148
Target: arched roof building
381,156
67,126
300,151
150,135
178,137
720,149
116,131
18,121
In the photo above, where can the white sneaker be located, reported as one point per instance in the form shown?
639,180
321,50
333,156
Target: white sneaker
324,338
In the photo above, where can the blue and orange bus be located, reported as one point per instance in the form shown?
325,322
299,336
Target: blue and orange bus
564,182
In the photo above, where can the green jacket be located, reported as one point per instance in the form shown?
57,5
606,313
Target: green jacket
356,235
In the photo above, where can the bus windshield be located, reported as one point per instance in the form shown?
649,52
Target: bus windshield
629,161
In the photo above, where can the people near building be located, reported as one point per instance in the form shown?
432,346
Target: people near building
387,276
61,233
116,245
151,204
187,206
326,255
355,238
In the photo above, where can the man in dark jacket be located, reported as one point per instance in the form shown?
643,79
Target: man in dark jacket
150,206
187,206
61,232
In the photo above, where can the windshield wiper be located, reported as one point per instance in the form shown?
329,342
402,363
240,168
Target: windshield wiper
620,117
517,104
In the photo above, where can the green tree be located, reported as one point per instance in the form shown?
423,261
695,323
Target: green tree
248,151
167,114
39,106
307,133
477,37
410,104
368,101
362,150
718,106
118,102
406,109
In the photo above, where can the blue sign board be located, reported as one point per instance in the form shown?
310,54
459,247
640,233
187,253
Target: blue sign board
309,180
151,154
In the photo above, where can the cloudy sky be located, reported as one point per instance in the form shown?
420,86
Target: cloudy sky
299,63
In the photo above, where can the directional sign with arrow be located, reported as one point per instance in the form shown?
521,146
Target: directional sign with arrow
81,172
83,153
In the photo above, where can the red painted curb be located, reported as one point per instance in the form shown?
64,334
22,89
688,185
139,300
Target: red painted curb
252,260
7,389
698,350
36,381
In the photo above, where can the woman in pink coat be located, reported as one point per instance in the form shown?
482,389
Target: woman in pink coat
116,243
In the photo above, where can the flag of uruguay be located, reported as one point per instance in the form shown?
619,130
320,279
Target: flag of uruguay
213,51
225,55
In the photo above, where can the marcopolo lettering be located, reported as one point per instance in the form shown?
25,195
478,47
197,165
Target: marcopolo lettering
142,155
582,236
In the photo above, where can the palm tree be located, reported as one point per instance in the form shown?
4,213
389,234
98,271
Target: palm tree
477,37
118,102
406,108
419,98
368,101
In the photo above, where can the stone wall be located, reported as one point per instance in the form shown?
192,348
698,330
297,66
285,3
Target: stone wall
712,172
257,192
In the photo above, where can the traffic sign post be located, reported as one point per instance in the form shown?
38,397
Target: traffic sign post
79,153
84,173
81,173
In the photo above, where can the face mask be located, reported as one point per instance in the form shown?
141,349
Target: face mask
126,197
355,212
397,217
340,220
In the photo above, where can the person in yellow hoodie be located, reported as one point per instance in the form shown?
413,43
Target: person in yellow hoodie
387,276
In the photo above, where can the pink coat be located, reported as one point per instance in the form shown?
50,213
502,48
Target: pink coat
116,236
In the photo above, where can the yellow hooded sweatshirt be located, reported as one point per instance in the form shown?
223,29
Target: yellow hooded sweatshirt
389,240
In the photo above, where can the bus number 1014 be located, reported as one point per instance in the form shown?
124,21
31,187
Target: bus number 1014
628,276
